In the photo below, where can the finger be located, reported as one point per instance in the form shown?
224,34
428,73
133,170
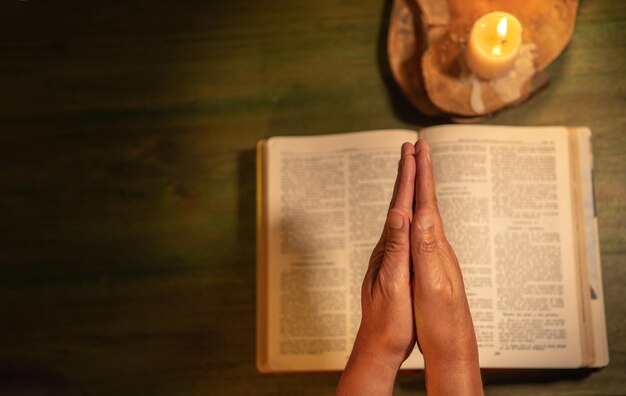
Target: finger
407,149
425,182
395,185
425,196
427,238
426,211
396,259
379,249
403,198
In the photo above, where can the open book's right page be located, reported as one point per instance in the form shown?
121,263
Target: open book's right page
505,198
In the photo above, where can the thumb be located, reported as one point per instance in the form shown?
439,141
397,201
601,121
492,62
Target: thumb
395,265
426,244
425,239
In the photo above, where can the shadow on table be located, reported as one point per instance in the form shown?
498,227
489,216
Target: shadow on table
246,195
411,380
21,378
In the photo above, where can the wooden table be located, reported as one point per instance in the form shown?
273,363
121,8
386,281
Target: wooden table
127,201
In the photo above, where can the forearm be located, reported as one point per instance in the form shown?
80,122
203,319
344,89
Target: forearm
452,365
453,377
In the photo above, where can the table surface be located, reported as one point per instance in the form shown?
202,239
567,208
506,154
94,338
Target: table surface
127,204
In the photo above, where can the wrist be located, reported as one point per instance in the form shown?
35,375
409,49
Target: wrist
460,365
375,351
458,355
457,347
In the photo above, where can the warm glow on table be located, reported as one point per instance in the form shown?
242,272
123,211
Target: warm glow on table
493,44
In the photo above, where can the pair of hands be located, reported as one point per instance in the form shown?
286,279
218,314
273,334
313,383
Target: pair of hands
413,291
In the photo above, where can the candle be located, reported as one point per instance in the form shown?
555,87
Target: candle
493,44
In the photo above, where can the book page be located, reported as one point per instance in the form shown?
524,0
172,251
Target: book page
504,195
327,199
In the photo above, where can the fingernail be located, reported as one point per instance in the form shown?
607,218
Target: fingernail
425,219
395,221
403,152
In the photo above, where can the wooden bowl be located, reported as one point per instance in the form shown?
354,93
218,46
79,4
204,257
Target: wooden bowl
426,44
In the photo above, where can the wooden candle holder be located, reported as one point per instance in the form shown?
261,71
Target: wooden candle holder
426,43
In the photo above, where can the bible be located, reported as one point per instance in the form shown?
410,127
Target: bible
517,207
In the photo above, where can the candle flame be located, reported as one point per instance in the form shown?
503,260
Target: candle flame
502,28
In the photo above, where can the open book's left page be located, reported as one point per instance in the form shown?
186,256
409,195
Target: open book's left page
324,202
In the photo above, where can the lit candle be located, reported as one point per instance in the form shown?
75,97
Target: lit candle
493,44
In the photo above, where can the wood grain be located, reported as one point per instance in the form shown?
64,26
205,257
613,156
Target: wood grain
127,132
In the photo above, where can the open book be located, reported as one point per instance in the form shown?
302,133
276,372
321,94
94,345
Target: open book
517,207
